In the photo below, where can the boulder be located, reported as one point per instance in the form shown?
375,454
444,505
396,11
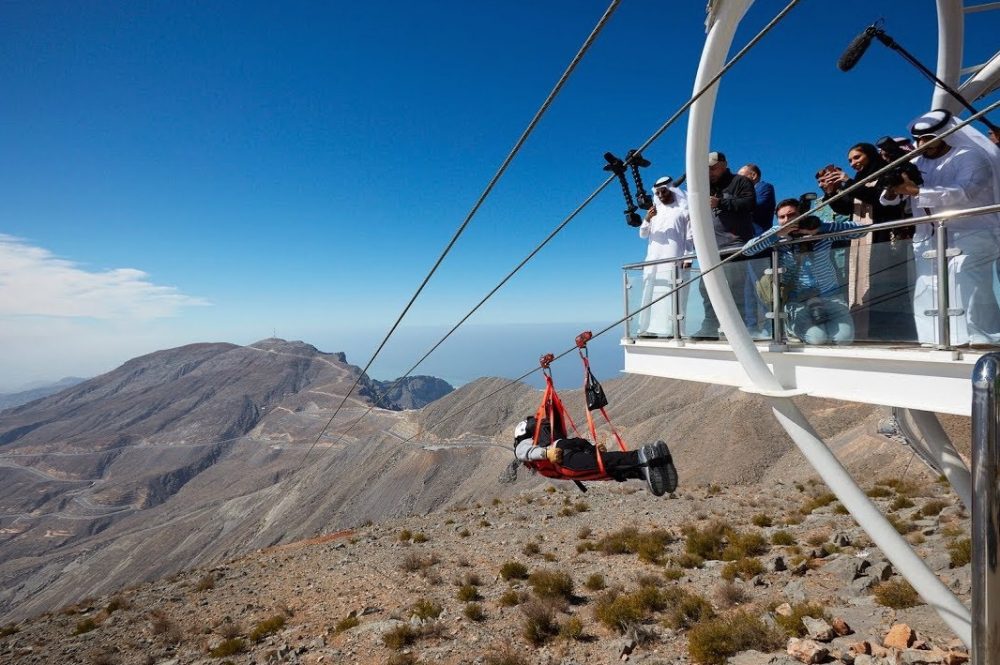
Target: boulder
818,629
900,636
806,651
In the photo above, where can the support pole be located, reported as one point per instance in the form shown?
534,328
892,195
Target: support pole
985,510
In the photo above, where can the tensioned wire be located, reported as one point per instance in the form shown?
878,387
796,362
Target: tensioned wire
656,135
475,208
860,183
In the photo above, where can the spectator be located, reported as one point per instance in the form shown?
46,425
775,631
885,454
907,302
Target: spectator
814,307
879,280
668,227
960,171
732,200
651,463
763,216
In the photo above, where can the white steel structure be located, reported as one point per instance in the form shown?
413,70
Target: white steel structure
917,381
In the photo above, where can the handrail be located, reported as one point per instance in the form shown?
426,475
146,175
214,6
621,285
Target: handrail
945,217
985,510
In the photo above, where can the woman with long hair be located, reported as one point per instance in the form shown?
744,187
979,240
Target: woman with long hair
880,264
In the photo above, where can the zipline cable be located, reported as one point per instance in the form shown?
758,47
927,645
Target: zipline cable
857,185
559,227
475,208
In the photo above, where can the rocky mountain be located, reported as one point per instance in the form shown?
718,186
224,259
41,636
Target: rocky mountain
412,392
10,400
196,455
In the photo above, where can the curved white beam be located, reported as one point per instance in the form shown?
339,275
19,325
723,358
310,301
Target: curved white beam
727,14
951,34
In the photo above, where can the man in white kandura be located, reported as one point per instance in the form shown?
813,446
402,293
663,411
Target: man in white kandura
668,227
960,171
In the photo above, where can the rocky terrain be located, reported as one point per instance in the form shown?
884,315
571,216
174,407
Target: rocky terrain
545,574
218,468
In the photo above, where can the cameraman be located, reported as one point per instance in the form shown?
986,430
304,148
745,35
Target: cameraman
815,307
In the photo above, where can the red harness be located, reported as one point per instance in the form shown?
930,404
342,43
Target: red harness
552,409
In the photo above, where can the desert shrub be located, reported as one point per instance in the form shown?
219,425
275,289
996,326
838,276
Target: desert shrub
484,523
84,626
840,509
581,506
228,648
474,612
743,545
792,624
550,489
818,501
8,630
762,520
903,486
707,543
425,609
817,538
405,535
688,560
901,525
567,512
782,538
227,630
901,503
116,603
505,657
510,598
163,626
649,546
571,629
933,507
266,627
745,568
728,594
413,562
713,641
348,622
400,636
584,532
618,611
205,583
673,573
897,594
530,549
513,570
684,609
551,584
539,621
419,538
879,492
464,533
960,551
594,582
468,578
467,593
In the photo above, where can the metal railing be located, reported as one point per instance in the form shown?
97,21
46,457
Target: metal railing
985,510
941,253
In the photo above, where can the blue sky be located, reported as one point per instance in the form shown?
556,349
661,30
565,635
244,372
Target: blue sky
173,172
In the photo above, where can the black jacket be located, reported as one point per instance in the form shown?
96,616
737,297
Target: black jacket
734,216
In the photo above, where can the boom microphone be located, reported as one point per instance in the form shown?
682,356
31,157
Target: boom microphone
856,49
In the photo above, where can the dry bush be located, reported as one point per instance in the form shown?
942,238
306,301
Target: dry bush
713,641
84,626
933,507
419,538
818,501
897,594
960,551
903,526
227,630
425,609
746,569
901,503
505,657
782,538
649,546
584,533
547,583
413,562
405,535
530,549
792,624
761,520
163,626
404,658
539,621
117,603
684,609
618,611
467,593
513,570
879,492
348,622
228,648
266,627
729,594
594,582
205,583
474,612
571,629
673,573
510,598
707,543
400,636
818,537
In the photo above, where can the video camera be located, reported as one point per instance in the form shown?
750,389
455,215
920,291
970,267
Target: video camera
810,222
892,151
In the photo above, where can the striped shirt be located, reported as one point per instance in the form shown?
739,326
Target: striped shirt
812,272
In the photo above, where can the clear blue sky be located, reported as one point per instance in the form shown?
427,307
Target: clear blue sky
173,172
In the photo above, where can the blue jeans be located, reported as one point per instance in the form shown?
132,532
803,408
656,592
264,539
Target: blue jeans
821,320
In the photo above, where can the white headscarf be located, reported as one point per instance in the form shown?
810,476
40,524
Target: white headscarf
939,121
